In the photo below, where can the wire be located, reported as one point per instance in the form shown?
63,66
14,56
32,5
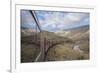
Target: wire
35,18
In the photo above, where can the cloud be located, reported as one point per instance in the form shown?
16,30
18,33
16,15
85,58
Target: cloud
26,19
61,20
53,21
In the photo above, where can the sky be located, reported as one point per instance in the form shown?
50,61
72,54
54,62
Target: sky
55,21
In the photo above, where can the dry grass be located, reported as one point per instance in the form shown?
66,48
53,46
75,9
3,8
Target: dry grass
63,52
28,52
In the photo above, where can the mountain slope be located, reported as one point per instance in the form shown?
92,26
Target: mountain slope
76,33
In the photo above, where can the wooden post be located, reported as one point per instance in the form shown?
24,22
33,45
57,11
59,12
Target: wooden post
42,46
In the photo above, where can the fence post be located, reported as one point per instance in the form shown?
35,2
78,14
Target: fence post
42,48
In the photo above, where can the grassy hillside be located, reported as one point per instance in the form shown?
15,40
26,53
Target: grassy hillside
81,38
65,51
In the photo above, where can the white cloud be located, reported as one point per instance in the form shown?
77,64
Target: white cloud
53,20
60,20
75,16
26,19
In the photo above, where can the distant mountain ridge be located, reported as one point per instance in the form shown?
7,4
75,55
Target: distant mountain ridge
85,26
75,33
